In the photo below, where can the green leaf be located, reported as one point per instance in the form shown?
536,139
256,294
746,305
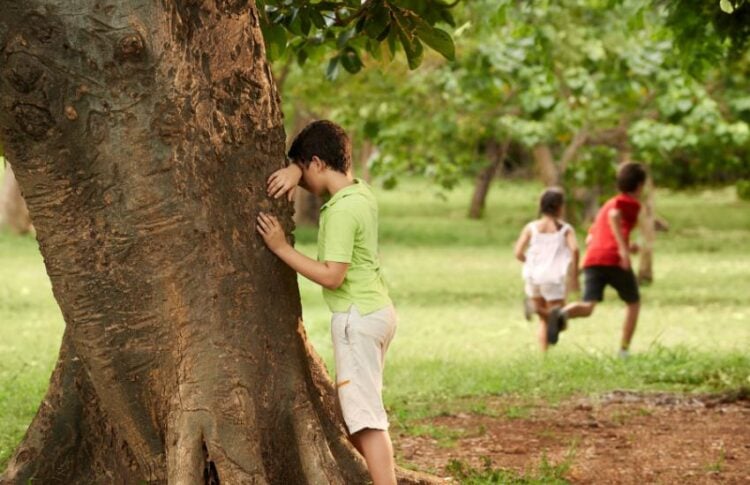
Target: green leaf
302,57
384,35
393,39
414,52
317,19
726,6
344,37
332,72
377,22
439,40
350,60
374,48
305,22
447,17
371,129
411,44
275,38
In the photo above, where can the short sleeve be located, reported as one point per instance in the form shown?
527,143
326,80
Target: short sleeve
629,209
340,230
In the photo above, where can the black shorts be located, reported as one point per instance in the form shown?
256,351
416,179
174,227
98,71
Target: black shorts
597,277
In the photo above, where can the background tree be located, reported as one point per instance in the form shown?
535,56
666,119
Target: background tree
142,135
564,89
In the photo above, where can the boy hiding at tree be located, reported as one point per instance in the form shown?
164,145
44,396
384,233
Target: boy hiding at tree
607,260
547,247
348,269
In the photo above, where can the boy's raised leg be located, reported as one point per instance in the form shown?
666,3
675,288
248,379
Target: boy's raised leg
579,309
544,333
628,328
375,445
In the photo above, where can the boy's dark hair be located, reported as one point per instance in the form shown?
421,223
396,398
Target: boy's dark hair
326,140
630,176
551,201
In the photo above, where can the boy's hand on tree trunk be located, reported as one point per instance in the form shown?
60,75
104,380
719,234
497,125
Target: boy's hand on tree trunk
273,234
284,181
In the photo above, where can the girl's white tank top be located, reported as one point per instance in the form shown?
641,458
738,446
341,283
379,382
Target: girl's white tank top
547,256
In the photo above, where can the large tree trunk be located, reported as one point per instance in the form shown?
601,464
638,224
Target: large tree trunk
496,154
141,134
13,211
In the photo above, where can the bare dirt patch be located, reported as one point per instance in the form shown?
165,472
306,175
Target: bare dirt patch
621,437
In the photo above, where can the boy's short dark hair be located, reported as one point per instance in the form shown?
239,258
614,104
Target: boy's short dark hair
630,176
326,140
551,201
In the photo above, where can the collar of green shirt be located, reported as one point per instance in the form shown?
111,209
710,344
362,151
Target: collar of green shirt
348,190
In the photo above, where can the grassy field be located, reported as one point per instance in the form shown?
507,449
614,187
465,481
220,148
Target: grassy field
458,292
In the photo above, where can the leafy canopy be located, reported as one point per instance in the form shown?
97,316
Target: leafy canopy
303,29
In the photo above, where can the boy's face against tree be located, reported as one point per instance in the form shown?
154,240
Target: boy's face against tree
313,176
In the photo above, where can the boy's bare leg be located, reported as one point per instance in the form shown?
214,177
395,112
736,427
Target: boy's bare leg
542,336
548,306
540,305
579,309
631,319
375,445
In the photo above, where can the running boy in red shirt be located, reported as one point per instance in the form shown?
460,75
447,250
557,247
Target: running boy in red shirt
607,260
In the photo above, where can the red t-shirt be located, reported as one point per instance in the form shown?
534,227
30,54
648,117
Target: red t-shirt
602,248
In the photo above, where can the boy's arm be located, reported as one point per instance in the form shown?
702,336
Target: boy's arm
329,274
523,240
284,181
572,242
615,223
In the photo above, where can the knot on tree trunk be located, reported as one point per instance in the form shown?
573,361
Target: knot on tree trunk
232,6
23,73
33,120
131,48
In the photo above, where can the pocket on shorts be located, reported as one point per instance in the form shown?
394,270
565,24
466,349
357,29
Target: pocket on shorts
379,325
341,336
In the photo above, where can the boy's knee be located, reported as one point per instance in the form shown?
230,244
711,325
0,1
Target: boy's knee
588,307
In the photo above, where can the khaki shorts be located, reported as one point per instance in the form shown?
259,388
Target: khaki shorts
548,291
359,346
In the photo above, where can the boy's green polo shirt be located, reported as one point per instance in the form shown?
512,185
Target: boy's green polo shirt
348,233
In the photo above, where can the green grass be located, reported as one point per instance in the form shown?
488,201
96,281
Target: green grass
458,292
545,473
30,330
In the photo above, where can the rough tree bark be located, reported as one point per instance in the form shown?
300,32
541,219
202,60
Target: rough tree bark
496,154
142,133
13,211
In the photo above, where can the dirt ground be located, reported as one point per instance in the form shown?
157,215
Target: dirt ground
621,437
